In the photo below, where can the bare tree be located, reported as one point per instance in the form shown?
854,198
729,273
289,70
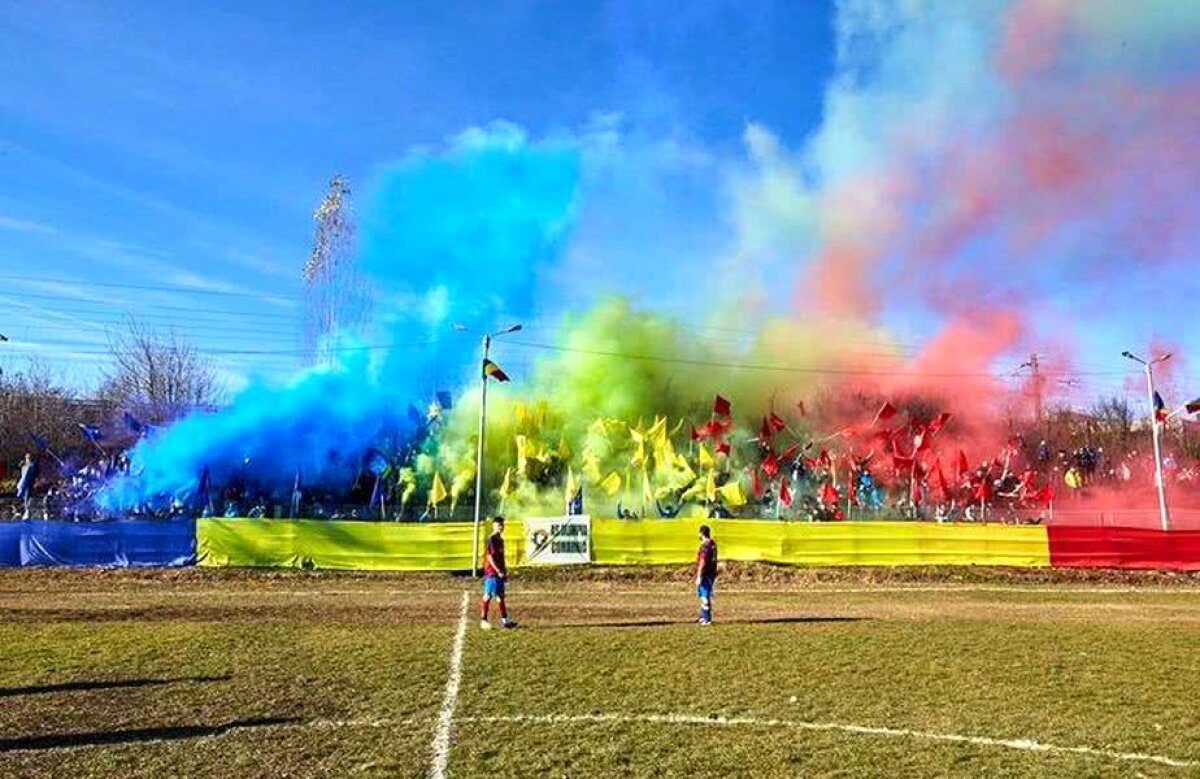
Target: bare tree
160,375
334,290
33,401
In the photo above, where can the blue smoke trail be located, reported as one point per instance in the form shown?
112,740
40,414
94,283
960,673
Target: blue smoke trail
448,236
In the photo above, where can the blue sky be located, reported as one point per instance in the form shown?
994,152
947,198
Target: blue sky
184,146
163,159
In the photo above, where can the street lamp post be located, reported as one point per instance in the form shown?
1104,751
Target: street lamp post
479,448
1148,368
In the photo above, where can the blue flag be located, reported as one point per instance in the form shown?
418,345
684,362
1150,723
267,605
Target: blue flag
444,400
376,493
576,507
92,434
133,424
376,461
39,442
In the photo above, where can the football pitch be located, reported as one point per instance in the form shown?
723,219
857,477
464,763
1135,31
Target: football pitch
197,673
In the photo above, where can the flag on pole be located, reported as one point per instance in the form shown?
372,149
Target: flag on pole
575,506
506,485
785,494
570,491
1193,407
938,422
770,465
721,406
493,370
1160,408
961,466
93,434
611,484
705,457
731,494
444,400
829,494
131,422
886,412
756,485
776,422
723,447
437,492
39,442
647,490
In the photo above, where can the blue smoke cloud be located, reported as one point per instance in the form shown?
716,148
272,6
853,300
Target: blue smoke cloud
453,235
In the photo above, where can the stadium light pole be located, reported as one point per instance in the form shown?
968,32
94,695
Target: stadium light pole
1148,368
479,447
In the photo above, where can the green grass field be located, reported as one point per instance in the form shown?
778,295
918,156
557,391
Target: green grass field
199,673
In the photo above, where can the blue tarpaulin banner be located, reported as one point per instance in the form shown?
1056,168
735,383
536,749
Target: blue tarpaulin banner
10,543
113,544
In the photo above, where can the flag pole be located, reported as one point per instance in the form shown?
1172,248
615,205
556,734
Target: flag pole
1158,470
487,344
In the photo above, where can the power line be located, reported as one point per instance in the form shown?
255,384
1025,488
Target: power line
151,288
772,368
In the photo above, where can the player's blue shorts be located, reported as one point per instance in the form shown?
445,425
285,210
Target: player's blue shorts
705,588
493,587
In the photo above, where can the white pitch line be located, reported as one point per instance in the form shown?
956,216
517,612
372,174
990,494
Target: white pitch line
441,738
1024,744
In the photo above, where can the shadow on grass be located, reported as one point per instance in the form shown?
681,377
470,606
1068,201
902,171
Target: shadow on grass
668,622
138,736
112,684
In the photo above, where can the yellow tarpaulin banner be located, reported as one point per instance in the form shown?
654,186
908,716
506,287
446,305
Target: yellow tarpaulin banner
445,546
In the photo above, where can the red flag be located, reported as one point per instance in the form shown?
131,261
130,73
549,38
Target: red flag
829,494
787,454
765,432
719,427
721,406
1045,496
723,448
938,422
777,422
823,459
920,440
756,485
785,495
939,479
887,412
696,434
770,465
961,466
804,412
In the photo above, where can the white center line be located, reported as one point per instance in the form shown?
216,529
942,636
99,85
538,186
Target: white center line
1024,744
441,738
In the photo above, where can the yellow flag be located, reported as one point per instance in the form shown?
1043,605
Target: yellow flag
522,455
570,484
647,492
731,494
611,484
564,451
437,493
658,430
705,457
639,452
598,428
686,474
591,467
664,453
506,486
710,486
